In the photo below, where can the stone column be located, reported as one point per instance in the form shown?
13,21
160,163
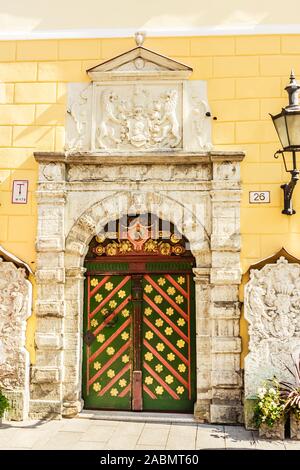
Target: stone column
46,373
224,309
73,329
203,344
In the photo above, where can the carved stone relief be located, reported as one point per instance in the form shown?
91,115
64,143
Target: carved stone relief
138,173
139,116
78,120
272,308
15,308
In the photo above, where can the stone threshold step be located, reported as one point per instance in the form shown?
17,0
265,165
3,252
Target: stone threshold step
141,416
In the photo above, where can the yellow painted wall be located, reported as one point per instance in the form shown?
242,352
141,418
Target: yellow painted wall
246,76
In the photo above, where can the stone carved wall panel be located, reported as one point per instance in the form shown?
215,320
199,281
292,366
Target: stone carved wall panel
15,308
272,309
138,117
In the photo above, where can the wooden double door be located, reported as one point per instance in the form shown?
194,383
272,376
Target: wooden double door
139,339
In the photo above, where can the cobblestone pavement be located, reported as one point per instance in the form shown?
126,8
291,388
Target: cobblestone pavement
86,433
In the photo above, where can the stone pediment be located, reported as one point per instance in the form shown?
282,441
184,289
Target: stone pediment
139,101
142,62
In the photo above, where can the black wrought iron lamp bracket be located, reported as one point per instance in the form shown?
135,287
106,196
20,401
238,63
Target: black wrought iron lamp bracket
288,188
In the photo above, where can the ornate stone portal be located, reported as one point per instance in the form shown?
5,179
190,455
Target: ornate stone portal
15,308
272,308
138,141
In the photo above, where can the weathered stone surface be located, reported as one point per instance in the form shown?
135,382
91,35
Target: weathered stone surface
224,344
226,414
50,308
272,432
249,405
43,409
45,375
294,427
272,309
47,276
15,308
48,341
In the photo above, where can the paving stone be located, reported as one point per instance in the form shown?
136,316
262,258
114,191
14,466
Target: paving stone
88,445
79,425
113,435
182,437
27,437
63,440
154,435
264,444
104,422
153,447
237,437
210,436
292,445
98,433
130,428
125,442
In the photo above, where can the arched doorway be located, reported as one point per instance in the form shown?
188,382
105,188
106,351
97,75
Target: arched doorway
139,318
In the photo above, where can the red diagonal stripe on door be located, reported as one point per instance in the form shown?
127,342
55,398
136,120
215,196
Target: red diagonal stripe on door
167,342
110,339
166,364
161,382
111,361
164,316
109,296
148,391
103,281
125,391
112,315
166,297
176,285
114,380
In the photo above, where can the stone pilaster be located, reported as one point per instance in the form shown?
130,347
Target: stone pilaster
46,373
74,289
226,377
203,344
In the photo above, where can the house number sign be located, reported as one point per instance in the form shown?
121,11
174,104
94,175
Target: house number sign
20,192
259,197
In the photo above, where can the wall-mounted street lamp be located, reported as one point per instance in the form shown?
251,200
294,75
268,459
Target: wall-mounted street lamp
287,125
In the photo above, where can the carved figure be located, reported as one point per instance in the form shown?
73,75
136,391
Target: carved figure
199,116
138,133
139,119
108,117
79,112
169,121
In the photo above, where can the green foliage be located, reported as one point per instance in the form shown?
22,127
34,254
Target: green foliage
290,391
269,408
4,404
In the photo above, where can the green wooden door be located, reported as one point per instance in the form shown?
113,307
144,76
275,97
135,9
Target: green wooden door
107,350
139,349
168,349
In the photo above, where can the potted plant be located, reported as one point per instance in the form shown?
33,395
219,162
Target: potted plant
269,411
4,405
290,393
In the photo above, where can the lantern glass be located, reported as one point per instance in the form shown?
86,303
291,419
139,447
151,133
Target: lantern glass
293,129
280,126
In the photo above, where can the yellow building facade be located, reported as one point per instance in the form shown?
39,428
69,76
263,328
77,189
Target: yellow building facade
246,77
